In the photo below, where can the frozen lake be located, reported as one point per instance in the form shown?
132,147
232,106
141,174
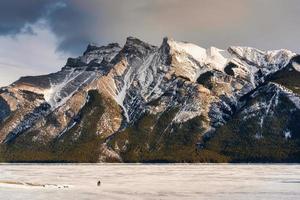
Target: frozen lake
142,181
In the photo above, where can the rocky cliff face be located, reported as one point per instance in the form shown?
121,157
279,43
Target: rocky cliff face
141,103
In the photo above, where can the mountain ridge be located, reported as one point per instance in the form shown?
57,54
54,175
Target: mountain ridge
143,103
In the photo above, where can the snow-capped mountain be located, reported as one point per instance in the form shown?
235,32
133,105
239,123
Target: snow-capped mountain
176,103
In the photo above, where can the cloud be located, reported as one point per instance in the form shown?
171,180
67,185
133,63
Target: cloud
268,24
29,54
14,14
37,35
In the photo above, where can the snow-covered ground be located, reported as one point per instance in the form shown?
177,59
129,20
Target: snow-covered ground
173,181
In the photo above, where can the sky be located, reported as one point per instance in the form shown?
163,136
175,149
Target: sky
37,36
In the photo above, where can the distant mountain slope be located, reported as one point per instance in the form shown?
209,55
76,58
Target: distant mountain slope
141,103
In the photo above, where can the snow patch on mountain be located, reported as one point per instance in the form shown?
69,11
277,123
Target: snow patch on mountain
122,92
287,134
192,60
59,93
273,102
266,101
262,58
266,61
53,94
216,58
290,94
195,51
296,66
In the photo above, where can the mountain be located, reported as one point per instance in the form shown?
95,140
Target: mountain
142,103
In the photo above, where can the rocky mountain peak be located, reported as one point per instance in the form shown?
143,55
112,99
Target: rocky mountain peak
93,47
134,47
94,56
141,98
253,56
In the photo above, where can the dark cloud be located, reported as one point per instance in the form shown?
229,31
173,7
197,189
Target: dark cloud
15,14
74,26
267,24
64,18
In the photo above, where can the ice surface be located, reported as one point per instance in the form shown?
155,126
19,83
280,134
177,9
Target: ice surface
161,181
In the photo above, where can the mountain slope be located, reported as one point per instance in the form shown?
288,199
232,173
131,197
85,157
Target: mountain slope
141,103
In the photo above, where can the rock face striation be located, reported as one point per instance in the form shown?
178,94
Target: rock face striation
142,103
